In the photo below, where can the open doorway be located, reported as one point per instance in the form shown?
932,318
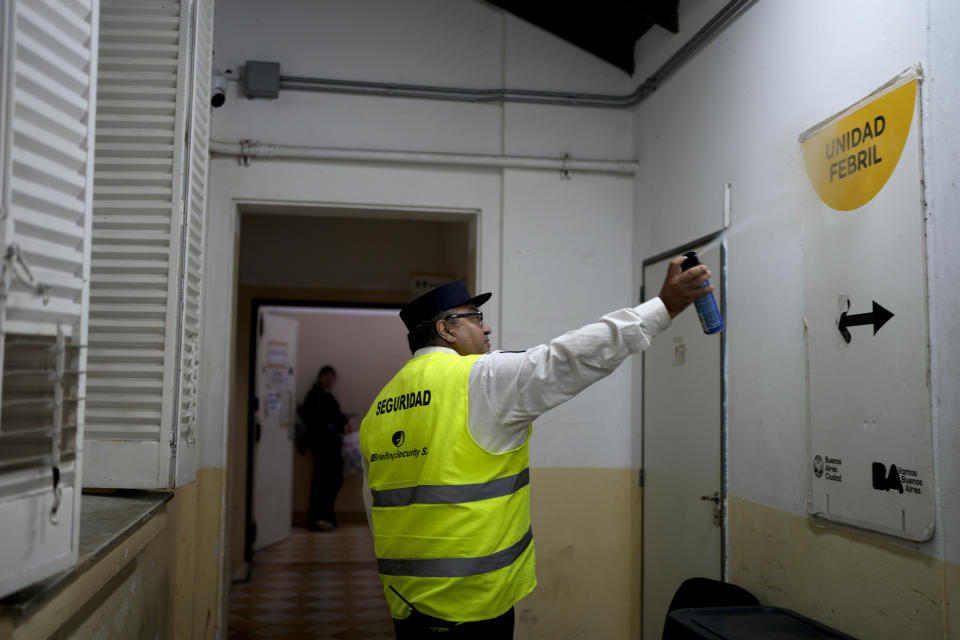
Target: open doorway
364,346
338,265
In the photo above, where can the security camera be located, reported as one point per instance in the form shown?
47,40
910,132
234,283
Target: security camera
218,89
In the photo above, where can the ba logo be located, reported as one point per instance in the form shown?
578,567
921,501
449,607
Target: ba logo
399,438
884,480
818,466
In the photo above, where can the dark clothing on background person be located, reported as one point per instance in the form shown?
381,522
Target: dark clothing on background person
319,411
323,436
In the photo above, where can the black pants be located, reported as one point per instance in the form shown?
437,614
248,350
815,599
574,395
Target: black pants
327,477
419,626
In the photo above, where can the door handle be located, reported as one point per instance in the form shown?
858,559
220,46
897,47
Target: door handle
715,499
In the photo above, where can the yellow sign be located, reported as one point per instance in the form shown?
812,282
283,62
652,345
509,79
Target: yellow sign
851,156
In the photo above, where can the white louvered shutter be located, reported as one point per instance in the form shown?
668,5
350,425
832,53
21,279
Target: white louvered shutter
135,388
195,205
48,80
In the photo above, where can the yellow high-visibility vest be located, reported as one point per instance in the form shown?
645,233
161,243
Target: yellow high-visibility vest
451,521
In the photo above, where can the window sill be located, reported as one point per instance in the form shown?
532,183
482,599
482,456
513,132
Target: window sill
106,521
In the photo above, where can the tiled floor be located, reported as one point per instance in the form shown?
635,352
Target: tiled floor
313,585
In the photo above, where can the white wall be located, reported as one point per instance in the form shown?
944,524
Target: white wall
328,336
733,114
942,157
464,43
559,253
585,222
456,193
566,262
565,257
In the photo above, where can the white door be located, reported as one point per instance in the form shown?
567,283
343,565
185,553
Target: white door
276,365
682,424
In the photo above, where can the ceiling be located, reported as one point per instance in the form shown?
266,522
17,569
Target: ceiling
609,29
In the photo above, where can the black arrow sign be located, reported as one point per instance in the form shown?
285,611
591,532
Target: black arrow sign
877,318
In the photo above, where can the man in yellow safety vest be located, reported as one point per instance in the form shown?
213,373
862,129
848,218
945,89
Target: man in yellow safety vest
446,458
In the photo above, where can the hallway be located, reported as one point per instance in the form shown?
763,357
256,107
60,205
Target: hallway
313,585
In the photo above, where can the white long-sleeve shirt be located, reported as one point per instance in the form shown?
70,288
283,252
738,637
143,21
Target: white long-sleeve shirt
507,390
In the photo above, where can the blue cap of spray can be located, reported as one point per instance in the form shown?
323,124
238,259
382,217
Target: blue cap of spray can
707,309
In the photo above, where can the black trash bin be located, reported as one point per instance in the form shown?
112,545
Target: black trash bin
751,623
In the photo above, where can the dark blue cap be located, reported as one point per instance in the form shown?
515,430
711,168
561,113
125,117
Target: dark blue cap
447,296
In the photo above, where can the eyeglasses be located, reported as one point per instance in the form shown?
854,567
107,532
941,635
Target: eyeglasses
473,314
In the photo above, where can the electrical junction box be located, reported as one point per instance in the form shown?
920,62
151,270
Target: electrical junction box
261,79
870,458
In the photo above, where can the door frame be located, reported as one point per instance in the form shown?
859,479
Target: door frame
256,304
319,209
388,190
715,237
252,423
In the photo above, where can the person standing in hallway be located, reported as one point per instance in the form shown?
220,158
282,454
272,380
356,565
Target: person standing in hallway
324,424
446,457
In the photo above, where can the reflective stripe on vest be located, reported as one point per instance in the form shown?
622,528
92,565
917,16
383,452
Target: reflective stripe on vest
454,567
451,494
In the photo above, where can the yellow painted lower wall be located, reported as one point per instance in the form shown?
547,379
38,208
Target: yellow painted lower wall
136,602
587,549
951,587
200,555
866,587
162,581
587,526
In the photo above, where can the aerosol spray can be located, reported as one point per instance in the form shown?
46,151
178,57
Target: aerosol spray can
707,309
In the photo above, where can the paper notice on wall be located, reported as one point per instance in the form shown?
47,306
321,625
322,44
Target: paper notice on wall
278,379
274,401
277,354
